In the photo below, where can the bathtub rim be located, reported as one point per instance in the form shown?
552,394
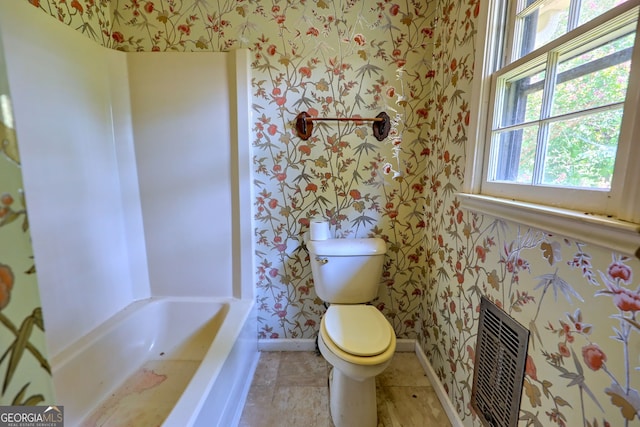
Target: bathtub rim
186,410
64,356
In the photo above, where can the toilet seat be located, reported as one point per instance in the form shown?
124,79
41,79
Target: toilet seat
381,357
357,330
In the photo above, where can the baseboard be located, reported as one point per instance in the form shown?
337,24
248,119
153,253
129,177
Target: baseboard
287,344
402,345
405,346
448,407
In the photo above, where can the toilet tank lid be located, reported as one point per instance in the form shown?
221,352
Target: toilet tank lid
347,247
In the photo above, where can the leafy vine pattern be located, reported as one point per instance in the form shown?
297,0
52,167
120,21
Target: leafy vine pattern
17,327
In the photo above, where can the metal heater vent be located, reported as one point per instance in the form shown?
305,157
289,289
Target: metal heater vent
501,353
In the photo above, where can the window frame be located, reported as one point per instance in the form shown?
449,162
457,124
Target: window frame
618,226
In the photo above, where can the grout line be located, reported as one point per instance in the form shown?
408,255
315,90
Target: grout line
308,344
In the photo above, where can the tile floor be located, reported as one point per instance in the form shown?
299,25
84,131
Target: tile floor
290,389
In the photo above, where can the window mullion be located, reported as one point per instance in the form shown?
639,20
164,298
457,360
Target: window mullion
545,112
574,15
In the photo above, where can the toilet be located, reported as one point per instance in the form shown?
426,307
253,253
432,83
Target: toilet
354,338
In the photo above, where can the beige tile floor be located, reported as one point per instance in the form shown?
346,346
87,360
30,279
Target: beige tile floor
290,389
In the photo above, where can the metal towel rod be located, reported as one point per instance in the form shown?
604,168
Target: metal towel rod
381,124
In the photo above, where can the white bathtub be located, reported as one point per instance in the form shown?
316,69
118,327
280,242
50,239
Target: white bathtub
161,361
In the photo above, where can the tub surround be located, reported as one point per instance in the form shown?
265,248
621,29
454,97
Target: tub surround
182,133
74,172
131,191
100,127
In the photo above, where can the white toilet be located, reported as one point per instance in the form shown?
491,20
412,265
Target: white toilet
355,338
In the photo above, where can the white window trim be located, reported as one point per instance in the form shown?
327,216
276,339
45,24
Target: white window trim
621,234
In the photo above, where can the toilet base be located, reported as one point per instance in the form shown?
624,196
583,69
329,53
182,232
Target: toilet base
352,402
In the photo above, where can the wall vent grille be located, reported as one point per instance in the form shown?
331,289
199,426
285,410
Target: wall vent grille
501,353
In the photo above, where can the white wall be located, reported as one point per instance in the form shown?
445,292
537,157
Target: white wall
180,107
89,256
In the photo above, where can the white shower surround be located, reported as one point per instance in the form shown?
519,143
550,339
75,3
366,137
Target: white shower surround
137,173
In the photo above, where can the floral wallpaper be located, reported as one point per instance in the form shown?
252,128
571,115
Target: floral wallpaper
25,375
414,60
579,302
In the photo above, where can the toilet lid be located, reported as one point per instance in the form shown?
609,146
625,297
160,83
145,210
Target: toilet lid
360,330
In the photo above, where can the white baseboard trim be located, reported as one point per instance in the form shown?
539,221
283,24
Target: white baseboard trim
405,345
448,407
287,344
307,344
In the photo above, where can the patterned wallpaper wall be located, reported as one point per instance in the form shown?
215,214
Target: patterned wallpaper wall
413,58
25,375
578,301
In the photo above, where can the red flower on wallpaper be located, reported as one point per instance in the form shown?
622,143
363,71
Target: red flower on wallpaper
117,36
305,149
625,299
593,356
6,199
305,71
618,270
359,39
77,6
184,29
481,251
563,349
6,284
530,368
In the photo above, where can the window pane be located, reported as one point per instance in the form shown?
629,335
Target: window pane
551,20
595,78
513,153
522,100
544,24
581,152
593,8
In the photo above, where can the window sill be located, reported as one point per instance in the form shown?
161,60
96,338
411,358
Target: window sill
610,233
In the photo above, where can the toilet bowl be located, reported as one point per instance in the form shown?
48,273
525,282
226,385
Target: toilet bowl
359,342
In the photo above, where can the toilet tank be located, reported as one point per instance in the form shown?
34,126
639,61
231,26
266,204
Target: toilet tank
347,271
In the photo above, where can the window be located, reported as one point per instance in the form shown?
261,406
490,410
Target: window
558,87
